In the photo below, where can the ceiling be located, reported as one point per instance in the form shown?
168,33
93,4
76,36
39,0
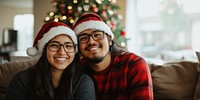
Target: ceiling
17,3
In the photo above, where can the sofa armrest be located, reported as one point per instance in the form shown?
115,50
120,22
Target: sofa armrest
8,70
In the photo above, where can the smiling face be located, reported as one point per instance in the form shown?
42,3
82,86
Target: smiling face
60,59
94,50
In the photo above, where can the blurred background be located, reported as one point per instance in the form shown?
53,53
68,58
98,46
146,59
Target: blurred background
158,30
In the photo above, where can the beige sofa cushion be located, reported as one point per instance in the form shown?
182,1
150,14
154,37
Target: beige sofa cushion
174,80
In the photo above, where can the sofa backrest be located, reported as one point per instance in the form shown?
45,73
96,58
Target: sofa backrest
171,81
8,70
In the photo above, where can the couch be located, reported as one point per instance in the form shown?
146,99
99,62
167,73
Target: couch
171,81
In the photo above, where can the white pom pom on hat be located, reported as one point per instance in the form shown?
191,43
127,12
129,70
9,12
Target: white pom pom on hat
32,51
91,21
46,33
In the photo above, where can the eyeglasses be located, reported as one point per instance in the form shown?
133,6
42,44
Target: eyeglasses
54,46
96,35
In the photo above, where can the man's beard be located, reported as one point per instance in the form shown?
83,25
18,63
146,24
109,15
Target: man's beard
95,60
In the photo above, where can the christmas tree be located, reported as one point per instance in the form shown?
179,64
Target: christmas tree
68,11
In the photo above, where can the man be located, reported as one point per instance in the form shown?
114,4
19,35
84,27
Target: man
117,74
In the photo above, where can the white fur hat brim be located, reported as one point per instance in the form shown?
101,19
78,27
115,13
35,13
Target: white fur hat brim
91,24
48,36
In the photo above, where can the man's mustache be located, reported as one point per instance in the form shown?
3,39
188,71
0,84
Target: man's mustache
92,45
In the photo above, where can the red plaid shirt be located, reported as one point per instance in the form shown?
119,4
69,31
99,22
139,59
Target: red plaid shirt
126,78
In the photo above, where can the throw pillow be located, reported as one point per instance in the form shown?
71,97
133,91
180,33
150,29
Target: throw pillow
174,80
197,89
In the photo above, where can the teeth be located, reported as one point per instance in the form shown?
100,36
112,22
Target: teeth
60,58
93,48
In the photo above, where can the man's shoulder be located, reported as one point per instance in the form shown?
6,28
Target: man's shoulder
129,56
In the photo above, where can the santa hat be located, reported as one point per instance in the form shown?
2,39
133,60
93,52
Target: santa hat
46,33
91,21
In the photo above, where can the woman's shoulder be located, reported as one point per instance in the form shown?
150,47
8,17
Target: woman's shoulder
22,73
84,88
18,86
84,81
84,78
22,76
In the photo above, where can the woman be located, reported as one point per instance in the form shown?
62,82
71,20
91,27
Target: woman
56,76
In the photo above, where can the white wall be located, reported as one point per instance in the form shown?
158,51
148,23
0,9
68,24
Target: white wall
40,11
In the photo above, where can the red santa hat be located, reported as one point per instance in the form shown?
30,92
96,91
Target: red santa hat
91,21
46,33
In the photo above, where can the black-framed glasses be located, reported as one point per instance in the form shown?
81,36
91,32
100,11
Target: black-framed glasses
96,35
54,46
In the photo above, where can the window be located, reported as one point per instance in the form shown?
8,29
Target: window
159,25
24,26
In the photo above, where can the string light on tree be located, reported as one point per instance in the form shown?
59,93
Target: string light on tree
123,44
86,8
75,1
47,18
86,1
51,13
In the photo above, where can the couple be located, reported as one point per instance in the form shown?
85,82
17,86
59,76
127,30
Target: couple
104,72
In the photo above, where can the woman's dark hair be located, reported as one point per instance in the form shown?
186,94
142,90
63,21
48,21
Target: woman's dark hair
41,85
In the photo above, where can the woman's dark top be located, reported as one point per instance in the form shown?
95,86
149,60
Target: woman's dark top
18,88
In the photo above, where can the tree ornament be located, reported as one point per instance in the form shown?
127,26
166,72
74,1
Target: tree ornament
112,25
104,14
123,33
94,8
104,8
62,8
62,5
69,11
63,11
